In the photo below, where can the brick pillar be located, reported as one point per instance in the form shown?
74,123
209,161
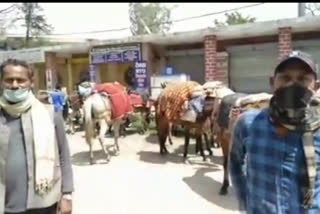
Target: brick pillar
284,42
210,55
51,65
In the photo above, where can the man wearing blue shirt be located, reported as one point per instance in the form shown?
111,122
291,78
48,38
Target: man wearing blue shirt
275,153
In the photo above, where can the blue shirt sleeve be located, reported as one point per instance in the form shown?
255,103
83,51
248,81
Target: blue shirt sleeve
237,162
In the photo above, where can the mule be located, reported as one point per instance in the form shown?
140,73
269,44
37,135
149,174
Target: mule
97,110
229,110
164,124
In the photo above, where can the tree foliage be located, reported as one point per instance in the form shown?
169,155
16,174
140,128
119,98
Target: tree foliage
234,18
6,17
312,8
34,21
152,17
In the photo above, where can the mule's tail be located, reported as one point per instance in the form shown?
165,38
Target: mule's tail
88,120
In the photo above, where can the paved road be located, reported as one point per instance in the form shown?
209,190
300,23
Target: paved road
140,181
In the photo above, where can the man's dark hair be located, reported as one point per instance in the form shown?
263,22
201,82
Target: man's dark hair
58,86
16,62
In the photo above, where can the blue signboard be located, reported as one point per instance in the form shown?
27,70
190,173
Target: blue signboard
130,55
113,57
97,58
141,76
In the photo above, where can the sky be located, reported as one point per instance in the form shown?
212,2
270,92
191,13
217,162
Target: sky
84,17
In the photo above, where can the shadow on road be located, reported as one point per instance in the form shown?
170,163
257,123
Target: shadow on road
83,158
156,158
152,138
208,188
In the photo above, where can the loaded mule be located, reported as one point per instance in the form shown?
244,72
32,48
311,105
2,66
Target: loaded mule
108,104
186,104
227,113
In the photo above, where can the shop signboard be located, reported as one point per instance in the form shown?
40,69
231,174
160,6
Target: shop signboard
141,76
34,55
116,54
130,56
97,58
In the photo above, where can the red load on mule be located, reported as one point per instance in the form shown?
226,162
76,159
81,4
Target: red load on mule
121,104
136,100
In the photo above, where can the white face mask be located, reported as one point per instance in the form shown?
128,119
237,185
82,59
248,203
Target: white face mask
84,91
17,95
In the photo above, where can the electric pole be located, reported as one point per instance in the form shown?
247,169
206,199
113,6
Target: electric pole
301,9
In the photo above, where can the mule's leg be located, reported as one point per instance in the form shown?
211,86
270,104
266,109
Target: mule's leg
197,147
170,133
199,142
186,143
206,139
163,138
225,150
92,161
102,131
163,129
116,127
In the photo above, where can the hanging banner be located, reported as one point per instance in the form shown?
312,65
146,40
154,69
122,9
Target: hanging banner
141,77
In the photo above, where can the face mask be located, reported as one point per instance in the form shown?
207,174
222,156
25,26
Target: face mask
16,96
84,92
290,105
293,97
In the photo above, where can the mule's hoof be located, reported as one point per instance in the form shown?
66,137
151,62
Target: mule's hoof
223,191
93,162
116,153
186,161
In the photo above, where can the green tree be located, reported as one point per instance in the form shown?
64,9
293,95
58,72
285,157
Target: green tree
234,18
33,20
149,18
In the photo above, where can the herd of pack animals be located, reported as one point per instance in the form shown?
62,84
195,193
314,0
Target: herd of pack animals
221,110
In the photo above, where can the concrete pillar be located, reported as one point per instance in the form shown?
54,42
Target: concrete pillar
284,42
210,54
51,64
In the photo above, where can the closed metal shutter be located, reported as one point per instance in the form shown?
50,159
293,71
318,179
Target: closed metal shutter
251,67
309,46
188,62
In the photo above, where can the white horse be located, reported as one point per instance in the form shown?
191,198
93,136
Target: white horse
97,110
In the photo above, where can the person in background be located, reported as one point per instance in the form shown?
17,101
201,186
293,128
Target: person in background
35,167
275,154
58,99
